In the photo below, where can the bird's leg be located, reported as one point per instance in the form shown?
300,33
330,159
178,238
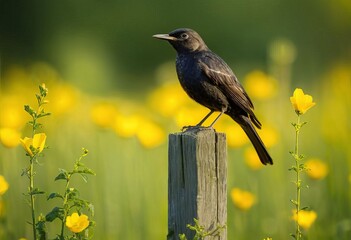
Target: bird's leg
204,119
200,123
216,119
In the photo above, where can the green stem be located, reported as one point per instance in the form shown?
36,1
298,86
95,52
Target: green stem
65,209
298,181
32,197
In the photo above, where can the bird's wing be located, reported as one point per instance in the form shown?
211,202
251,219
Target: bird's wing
219,74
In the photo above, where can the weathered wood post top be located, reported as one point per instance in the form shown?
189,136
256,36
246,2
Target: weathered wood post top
197,182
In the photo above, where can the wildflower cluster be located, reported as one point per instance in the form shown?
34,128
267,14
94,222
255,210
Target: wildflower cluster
76,222
71,200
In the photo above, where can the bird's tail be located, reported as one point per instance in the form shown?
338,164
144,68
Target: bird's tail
255,139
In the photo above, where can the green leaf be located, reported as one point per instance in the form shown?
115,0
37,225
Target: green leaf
182,237
85,178
54,195
85,171
56,212
301,156
80,164
295,156
29,110
63,175
91,209
303,167
43,114
38,98
89,171
72,194
36,191
294,202
40,226
293,168
43,90
302,124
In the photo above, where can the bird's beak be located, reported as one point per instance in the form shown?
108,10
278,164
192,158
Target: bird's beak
164,37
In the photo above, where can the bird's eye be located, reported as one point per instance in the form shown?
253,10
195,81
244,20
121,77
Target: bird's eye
184,36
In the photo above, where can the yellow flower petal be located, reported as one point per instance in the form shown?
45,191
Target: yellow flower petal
77,223
26,143
37,142
301,102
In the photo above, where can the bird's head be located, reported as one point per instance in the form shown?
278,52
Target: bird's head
184,40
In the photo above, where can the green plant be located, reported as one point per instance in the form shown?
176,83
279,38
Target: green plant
301,103
78,222
200,232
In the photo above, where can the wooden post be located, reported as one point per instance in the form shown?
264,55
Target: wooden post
197,182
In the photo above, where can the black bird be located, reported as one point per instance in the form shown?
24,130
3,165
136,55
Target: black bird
208,80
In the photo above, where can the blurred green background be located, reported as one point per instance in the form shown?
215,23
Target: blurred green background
113,90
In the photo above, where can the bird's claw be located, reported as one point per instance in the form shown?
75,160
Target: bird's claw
187,128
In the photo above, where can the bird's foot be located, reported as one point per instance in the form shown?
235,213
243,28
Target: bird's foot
188,128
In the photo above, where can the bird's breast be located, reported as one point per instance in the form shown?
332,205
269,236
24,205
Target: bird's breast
187,69
195,84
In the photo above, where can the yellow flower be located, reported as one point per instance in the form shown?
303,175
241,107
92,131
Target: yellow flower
305,219
269,135
190,115
127,125
301,102
3,185
9,137
150,134
66,97
77,223
236,136
37,142
316,169
103,114
260,85
242,199
173,98
11,110
251,159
